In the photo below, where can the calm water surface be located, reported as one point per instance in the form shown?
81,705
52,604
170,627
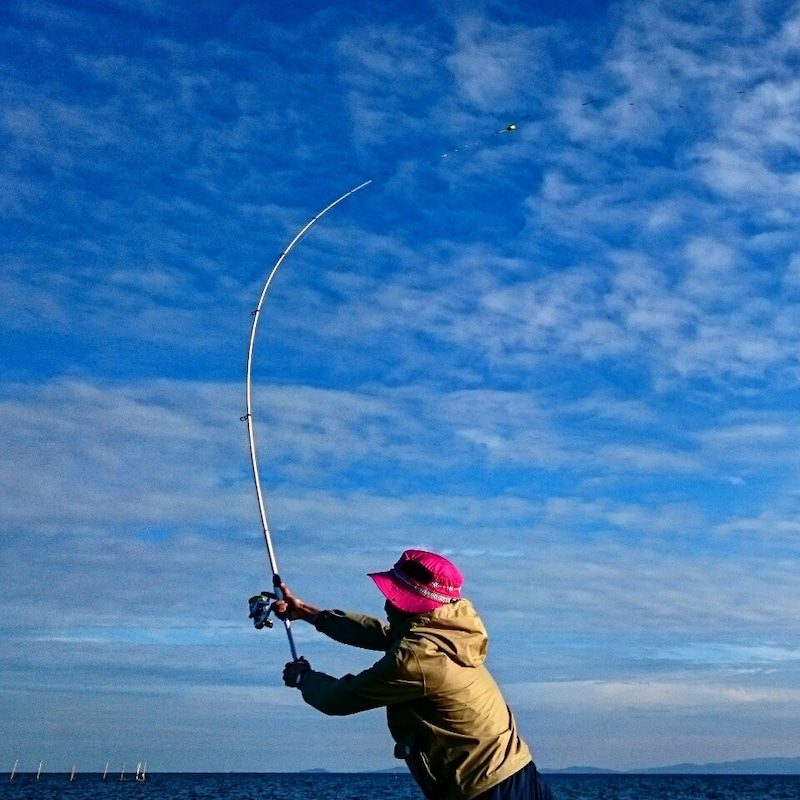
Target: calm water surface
301,786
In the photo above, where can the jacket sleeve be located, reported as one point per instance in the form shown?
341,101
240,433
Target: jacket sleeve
357,630
396,678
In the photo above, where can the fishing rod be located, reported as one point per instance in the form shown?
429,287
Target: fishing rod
261,604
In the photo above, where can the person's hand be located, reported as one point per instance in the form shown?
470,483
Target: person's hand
292,608
289,607
294,671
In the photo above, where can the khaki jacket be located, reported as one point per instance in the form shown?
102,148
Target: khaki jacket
446,714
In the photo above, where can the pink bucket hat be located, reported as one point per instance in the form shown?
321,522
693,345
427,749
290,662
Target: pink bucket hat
420,582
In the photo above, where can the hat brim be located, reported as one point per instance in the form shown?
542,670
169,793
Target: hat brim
401,596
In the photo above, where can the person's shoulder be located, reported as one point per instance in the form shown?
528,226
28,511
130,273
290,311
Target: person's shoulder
418,644
402,658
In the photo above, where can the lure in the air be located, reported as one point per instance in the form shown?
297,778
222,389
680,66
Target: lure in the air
512,127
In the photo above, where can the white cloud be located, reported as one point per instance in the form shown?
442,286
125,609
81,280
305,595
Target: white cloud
494,64
564,356
637,696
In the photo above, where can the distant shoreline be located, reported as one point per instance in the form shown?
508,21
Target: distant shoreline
751,766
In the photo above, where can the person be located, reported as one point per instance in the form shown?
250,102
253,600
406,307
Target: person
445,712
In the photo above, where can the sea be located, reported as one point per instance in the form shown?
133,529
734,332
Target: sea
382,786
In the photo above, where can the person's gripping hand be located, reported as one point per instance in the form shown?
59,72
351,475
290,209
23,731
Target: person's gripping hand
294,672
292,607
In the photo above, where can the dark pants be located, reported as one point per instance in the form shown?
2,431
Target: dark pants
527,784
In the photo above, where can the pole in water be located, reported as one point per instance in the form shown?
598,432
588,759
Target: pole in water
248,418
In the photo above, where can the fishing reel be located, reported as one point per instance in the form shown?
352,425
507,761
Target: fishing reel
261,608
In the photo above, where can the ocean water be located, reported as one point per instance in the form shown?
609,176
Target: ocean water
336,786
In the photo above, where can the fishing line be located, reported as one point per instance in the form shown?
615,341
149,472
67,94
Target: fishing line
598,104
261,605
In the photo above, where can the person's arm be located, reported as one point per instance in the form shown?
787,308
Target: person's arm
293,608
396,678
356,630
348,628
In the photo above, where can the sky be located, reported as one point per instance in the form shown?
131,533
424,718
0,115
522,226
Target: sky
567,356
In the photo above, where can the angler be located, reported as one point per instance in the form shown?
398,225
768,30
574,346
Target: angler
444,710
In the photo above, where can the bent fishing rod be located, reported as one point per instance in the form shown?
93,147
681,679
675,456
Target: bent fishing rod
261,604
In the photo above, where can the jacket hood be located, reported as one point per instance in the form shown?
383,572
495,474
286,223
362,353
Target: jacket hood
455,629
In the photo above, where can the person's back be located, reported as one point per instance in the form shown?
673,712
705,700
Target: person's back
460,733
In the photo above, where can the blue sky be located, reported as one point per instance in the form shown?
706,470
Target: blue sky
566,356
